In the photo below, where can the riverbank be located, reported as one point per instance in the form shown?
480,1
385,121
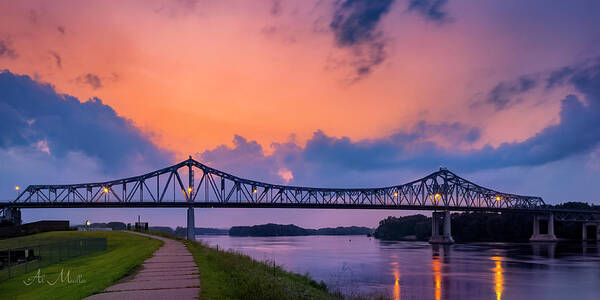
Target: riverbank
232,275
88,274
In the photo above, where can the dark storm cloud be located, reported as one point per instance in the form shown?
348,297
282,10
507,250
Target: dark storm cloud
91,79
6,50
355,21
57,59
354,26
35,116
430,9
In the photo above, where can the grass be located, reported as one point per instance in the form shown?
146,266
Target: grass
232,275
99,270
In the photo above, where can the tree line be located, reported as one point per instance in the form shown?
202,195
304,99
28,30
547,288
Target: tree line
479,226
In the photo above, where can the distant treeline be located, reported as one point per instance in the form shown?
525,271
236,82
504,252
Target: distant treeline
293,230
179,231
478,226
182,231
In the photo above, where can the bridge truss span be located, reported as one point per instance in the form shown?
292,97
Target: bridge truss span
191,183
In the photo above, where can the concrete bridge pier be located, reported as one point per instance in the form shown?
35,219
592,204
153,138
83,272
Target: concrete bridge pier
446,236
584,231
191,234
11,214
547,234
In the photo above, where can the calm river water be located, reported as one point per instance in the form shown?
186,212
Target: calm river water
359,265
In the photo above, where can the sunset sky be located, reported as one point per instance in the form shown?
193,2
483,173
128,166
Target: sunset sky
344,93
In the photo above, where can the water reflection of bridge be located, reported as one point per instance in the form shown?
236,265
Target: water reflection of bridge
441,192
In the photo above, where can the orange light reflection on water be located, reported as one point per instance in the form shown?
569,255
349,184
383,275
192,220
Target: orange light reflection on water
498,277
437,276
396,273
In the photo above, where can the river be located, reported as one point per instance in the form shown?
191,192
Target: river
360,265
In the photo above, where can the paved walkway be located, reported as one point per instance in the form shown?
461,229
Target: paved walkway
170,273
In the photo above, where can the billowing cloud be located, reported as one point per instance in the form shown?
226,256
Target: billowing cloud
247,159
37,119
577,132
430,9
427,145
90,79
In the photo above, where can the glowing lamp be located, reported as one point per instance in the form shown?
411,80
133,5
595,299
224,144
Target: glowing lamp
17,188
395,194
105,190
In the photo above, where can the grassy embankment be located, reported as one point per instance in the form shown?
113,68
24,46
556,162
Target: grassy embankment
99,270
232,275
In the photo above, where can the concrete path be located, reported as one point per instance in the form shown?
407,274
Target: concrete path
170,273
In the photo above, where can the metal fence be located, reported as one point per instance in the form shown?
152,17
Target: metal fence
19,260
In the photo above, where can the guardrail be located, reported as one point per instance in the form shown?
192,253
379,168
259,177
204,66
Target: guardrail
26,258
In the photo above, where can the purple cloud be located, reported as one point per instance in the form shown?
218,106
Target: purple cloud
34,114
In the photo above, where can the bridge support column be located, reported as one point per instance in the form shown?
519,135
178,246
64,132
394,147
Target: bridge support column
446,236
191,226
595,234
191,234
548,235
11,214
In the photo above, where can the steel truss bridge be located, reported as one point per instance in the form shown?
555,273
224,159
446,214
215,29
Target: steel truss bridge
193,184
176,186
